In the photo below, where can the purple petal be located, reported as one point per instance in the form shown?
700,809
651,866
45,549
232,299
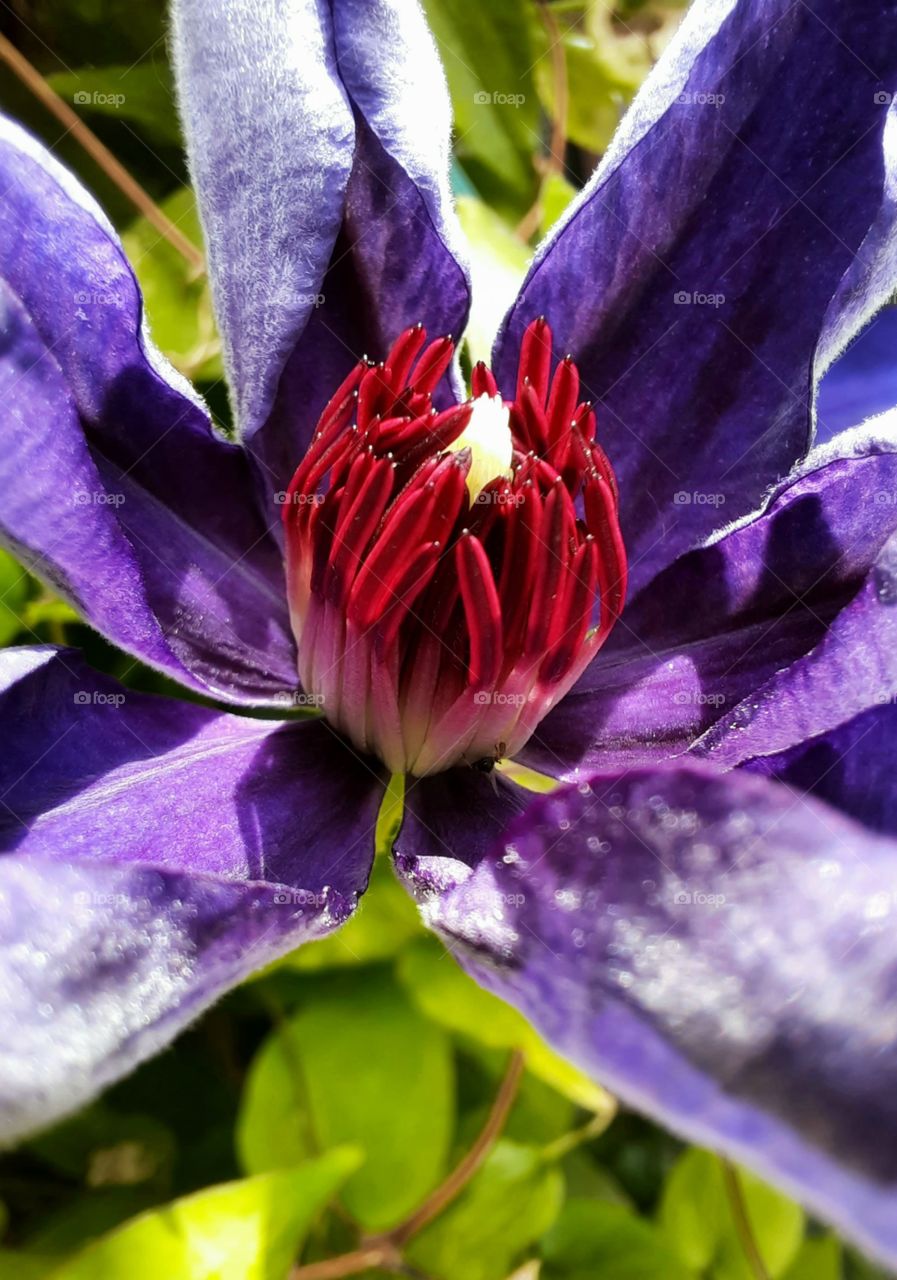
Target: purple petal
693,280
154,853
766,645
318,138
389,271
113,486
717,951
863,381
850,767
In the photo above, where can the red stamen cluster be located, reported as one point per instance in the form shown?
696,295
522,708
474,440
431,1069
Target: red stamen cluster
433,629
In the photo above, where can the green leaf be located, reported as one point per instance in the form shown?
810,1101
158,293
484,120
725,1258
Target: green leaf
380,1075
14,585
445,993
178,304
141,93
85,1217
696,1217
385,920
818,1259
488,54
103,1147
506,1207
498,262
594,1238
273,1124
557,193
15,1265
249,1230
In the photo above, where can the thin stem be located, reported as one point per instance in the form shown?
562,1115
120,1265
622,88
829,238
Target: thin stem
554,162
742,1221
348,1264
464,1171
33,80
385,1251
568,1142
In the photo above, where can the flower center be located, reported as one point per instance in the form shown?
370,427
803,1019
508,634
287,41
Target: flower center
452,573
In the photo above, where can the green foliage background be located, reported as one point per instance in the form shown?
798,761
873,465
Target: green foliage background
327,1098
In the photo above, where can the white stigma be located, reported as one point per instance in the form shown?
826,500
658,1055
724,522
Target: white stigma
488,437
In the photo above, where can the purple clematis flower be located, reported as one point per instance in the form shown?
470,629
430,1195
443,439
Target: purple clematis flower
703,913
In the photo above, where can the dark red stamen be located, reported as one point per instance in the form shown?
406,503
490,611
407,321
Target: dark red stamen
440,624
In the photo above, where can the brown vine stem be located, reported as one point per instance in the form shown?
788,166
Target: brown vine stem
386,1251
466,1168
35,82
742,1221
554,162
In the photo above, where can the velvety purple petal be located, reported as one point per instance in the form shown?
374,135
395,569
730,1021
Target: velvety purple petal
863,381
716,950
752,184
318,136
435,806
390,270
270,139
152,853
114,487
851,767
852,668
726,631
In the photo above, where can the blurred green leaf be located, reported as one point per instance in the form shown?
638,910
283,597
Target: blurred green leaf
506,1207
86,1217
593,1238
22,1266
498,262
696,1217
818,1259
14,586
488,55
587,1179
445,993
143,94
273,1124
557,193
378,1074
99,1146
178,305
249,1230
385,920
